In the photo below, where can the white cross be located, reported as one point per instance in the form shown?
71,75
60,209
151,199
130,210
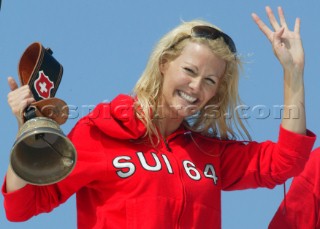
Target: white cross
43,87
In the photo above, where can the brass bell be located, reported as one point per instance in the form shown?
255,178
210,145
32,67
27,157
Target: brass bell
42,154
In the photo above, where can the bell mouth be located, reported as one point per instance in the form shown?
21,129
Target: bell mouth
42,154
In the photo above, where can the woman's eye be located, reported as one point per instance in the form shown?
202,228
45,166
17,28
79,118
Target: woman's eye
189,71
210,81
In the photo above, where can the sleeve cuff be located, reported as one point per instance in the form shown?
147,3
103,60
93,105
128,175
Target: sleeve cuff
297,142
16,195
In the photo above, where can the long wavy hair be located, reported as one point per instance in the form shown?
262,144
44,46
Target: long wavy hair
220,117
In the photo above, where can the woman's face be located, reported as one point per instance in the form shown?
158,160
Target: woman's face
190,80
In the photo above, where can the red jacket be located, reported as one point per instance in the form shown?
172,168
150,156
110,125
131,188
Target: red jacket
121,181
301,208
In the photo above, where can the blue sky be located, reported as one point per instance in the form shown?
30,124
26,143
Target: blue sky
103,47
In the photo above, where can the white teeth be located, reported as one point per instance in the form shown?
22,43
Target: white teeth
187,97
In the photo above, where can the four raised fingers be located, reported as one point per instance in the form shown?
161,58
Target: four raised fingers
277,26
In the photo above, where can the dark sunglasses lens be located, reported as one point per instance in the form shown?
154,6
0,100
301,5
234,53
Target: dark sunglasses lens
212,33
206,32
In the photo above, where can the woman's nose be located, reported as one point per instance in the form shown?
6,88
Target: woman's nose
195,84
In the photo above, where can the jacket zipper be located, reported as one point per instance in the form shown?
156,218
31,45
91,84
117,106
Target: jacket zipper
166,143
183,199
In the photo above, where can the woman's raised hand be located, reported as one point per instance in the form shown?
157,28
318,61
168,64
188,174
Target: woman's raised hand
286,43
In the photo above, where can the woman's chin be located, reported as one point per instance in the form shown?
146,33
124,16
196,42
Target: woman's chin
187,112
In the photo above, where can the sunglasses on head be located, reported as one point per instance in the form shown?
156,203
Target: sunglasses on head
209,32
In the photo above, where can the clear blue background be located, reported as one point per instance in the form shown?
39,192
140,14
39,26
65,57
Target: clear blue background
104,45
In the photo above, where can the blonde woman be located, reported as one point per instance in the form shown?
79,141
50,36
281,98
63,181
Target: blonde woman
160,158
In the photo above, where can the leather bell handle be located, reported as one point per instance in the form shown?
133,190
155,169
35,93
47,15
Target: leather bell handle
53,108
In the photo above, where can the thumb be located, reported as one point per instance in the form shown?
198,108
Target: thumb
12,83
277,37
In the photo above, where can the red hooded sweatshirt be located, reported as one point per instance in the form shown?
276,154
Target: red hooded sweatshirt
301,207
121,181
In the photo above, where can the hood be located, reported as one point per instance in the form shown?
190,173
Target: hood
118,119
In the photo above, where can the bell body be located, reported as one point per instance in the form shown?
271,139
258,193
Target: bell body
42,154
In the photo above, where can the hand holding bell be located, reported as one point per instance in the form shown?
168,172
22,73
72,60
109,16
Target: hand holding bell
41,154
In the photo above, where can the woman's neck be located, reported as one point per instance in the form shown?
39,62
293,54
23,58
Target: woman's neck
167,127
168,119
167,124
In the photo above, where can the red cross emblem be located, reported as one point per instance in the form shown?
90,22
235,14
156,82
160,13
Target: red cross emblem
43,85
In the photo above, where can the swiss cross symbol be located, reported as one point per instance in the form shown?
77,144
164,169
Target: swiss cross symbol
43,85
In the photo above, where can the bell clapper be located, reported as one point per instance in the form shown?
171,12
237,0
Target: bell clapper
66,160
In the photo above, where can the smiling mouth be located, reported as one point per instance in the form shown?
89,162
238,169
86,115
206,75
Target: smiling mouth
188,98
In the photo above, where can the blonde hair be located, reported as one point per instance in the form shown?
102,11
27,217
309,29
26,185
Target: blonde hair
211,120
